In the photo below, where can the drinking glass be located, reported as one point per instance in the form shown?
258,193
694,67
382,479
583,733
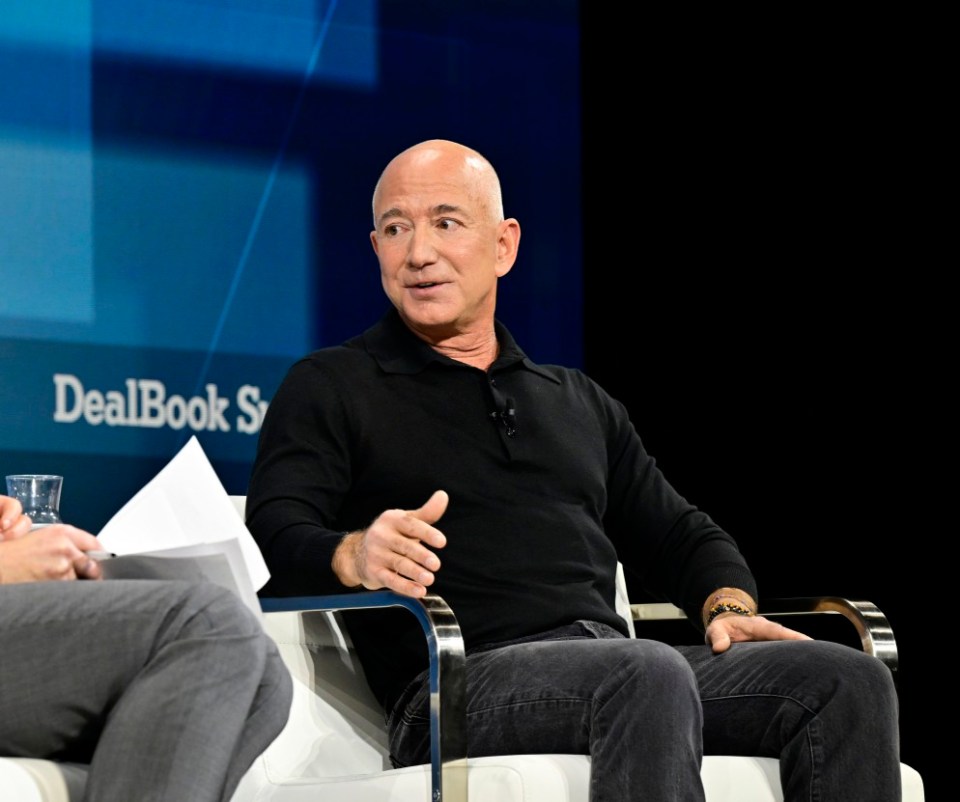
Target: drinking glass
39,493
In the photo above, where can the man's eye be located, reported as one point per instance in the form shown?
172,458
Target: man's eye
447,224
391,230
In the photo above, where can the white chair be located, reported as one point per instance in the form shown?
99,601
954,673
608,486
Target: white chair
334,748
25,779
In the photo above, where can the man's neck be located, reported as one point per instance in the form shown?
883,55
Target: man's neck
476,348
480,353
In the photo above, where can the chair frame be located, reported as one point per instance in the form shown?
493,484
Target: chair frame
448,687
447,673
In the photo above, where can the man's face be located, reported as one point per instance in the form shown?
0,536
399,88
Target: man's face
439,243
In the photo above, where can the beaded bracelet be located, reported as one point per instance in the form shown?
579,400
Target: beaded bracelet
714,611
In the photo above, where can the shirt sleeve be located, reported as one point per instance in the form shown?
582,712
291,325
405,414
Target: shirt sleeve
299,477
679,553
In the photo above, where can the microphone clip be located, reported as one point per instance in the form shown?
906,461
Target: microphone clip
507,417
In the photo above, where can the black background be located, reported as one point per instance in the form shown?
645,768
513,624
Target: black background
762,292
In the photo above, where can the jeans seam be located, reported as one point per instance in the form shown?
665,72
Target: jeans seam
763,694
580,700
814,750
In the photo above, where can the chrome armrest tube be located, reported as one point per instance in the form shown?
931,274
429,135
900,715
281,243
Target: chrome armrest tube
873,628
448,710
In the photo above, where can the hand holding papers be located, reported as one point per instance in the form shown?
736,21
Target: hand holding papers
183,525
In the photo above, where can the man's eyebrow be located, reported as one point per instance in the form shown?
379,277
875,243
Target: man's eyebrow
440,208
394,212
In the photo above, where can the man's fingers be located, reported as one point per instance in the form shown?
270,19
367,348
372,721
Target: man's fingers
760,628
416,525
733,629
406,557
394,551
415,570
404,584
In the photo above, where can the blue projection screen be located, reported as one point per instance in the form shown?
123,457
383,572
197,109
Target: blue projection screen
185,206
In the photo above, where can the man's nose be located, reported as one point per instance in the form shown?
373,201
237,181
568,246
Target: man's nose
422,249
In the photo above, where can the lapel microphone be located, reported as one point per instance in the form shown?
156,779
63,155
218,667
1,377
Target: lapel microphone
505,413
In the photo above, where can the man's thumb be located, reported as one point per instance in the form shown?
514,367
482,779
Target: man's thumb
436,506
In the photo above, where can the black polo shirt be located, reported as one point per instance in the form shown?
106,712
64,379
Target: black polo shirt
549,486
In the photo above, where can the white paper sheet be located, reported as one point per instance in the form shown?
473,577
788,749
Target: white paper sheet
221,563
185,504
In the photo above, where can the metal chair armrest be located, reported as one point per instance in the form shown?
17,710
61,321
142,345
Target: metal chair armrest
448,709
872,626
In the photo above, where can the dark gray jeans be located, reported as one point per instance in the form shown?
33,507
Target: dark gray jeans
647,712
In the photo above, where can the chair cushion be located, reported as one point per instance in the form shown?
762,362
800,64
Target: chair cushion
24,779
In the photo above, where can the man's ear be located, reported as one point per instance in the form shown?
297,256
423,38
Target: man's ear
373,242
508,243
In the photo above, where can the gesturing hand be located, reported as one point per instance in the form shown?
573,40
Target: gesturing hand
393,551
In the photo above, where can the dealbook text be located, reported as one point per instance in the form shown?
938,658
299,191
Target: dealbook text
145,403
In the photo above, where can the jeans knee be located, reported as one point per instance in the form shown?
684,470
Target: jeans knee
850,667
868,678
651,689
660,671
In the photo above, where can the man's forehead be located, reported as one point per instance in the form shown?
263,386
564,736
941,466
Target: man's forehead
412,188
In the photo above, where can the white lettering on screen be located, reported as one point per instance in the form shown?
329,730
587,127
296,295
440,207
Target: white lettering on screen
145,403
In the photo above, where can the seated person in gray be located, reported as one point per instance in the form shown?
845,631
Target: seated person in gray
168,690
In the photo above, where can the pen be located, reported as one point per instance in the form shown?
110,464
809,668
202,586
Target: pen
100,555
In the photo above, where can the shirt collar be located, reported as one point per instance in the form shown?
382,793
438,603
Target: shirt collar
398,350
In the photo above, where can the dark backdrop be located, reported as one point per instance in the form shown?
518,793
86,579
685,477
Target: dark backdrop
755,293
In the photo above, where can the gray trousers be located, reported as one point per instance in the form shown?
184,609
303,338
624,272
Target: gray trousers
168,690
646,713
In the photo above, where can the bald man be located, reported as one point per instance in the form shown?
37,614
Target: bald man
430,453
